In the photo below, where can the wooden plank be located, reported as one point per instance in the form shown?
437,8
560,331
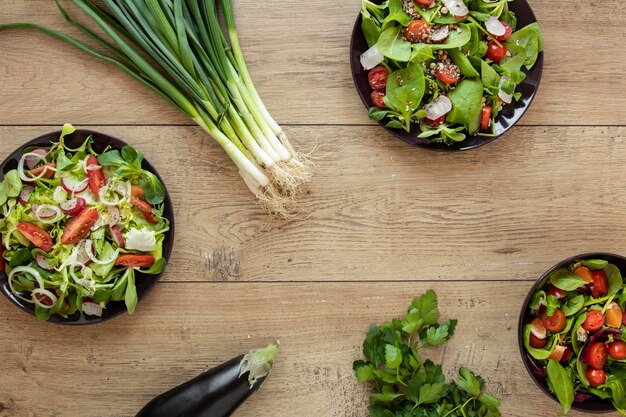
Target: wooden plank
380,210
298,55
112,369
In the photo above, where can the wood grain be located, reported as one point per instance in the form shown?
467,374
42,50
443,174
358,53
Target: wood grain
380,210
298,55
112,369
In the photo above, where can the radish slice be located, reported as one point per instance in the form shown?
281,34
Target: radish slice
440,34
117,236
37,156
115,192
114,215
47,213
74,206
20,167
495,26
44,293
437,108
505,97
81,254
73,185
89,250
457,8
59,195
371,58
42,261
92,309
27,191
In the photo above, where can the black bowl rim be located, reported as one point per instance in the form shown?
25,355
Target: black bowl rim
117,143
520,336
537,68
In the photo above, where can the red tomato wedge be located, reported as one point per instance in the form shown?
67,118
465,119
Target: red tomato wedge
95,174
145,209
49,173
486,118
425,2
36,235
600,285
135,260
79,227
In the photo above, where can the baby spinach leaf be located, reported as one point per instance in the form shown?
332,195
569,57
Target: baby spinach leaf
614,277
466,104
488,75
21,256
566,280
573,305
560,383
379,11
594,264
377,114
393,46
156,268
552,303
370,29
530,39
111,158
396,15
539,354
405,89
510,18
13,183
421,52
463,63
456,39
472,46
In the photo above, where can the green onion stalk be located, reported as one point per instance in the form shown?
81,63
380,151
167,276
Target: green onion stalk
201,71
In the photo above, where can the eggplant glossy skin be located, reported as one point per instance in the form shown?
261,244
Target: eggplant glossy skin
215,393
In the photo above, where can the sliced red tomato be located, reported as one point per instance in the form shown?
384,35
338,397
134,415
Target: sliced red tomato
377,99
485,122
597,354
49,173
536,342
425,2
95,174
584,273
145,209
417,31
448,73
507,32
617,349
557,292
496,52
137,192
36,235
594,321
614,315
79,227
600,285
377,77
135,260
2,266
596,377
555,323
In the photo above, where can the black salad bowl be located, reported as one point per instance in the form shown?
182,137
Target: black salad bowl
144,282
593,405
510,114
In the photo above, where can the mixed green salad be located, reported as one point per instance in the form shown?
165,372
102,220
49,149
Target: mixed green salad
403,384
575,336
75,225
445,68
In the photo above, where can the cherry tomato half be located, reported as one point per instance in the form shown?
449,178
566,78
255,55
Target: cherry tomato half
617,349
507,32
600,284
584,273
377,99
135,260
596,377
36,235
594,321
486,118
536,342
555,323
557,292
425,2
438,121
417,31
377,77
448,73
95,174
597,354
496,52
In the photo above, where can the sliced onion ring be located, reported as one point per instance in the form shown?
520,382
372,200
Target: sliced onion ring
59,195
28,270
47,213
33,161
89,250
73,186
438,107
115,186
20,167
46,293
495,26
372,57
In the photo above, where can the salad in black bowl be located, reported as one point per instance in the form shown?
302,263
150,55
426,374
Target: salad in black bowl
85,227
572,333
445,74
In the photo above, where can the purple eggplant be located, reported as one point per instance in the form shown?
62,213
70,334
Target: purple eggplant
217,392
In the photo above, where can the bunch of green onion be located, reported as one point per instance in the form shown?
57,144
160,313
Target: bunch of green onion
202,72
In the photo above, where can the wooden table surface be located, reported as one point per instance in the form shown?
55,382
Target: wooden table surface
383,221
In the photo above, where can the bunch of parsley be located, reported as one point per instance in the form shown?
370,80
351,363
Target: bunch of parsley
403,385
